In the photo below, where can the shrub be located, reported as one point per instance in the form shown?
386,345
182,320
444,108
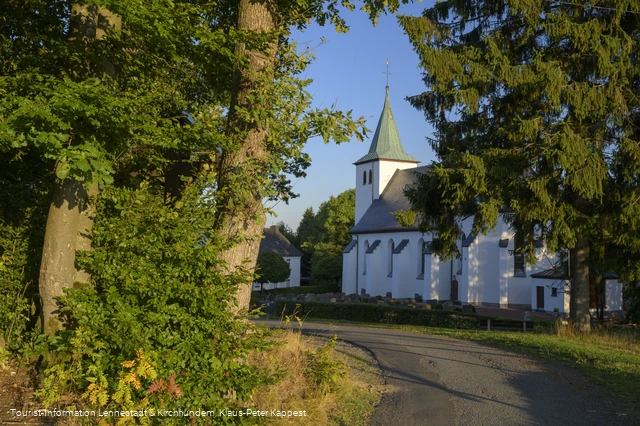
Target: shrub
155,327
438,306
378,314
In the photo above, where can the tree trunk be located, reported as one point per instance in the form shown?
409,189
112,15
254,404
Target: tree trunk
579,302
241,219
57,268
71,213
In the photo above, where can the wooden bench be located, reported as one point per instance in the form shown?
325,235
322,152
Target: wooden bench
505,324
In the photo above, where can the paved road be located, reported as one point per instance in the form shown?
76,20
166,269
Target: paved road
440,381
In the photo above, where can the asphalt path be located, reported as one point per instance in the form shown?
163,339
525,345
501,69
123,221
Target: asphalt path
435,380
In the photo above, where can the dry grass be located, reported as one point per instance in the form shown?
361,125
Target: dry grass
614,338
347,394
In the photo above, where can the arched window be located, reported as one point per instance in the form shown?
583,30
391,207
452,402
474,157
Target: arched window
364,257
391,247
369,175
364,177
420,249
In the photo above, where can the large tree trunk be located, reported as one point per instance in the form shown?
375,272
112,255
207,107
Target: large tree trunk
241,219
71,213
579,302
57,268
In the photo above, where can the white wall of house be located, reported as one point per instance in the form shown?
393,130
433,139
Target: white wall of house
555,295
613,295
294,277
292,281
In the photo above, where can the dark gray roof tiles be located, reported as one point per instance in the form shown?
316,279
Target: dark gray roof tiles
469,240
275,242
373,247
350,246
379,217
559,273
400,246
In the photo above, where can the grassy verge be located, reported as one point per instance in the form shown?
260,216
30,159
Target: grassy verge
610,356
334,382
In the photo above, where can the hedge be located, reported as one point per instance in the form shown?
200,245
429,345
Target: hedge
378,314
315,289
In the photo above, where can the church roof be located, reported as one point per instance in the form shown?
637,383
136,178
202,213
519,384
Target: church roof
379,217
386,143
275,242
560,273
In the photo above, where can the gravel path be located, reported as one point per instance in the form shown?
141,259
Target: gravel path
441,381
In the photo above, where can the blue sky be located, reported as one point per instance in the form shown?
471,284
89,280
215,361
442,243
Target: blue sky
349,72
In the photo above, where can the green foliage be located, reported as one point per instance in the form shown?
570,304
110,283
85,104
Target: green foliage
323,371
406,218
379,314
633,314
271,267
535,107
323,236
148,305
23,211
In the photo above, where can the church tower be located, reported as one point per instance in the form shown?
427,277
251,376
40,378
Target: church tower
385,156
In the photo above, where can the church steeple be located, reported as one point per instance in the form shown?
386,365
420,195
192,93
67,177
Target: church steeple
386,143
385,156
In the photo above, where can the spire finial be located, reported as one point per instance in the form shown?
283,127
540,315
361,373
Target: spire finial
388,74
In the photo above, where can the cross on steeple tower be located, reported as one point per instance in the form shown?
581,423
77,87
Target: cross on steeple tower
388,74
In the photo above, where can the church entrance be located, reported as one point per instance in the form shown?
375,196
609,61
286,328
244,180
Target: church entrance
454,289
540,297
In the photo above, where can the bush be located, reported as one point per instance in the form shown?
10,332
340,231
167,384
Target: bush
438,306
378,314
154,329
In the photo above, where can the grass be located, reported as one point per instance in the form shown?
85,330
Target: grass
334,382
610,356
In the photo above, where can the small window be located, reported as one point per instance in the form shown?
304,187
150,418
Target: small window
364,178
554,292
370,176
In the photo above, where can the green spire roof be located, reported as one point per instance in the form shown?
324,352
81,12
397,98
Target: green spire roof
386,143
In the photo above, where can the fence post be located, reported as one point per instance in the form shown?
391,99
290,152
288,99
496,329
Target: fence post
527,317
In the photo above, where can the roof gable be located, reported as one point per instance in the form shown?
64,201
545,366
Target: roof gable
379,217
275,242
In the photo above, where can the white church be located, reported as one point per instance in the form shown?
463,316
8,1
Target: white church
386,257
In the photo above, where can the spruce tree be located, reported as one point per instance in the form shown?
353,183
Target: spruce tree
534,105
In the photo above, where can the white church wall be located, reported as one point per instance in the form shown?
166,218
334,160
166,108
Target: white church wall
376,275
383,171
364,192
555,295
463,278
349,271
445,273
431,278
484,273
